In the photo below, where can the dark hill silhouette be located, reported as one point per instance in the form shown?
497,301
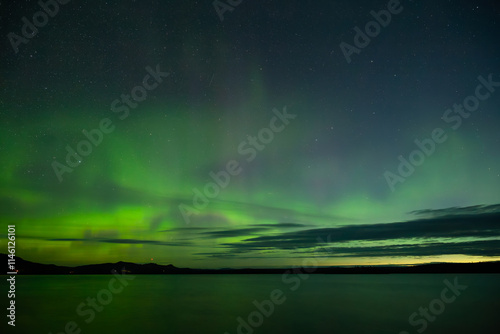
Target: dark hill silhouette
31,268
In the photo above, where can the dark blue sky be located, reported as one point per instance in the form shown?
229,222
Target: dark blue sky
139,130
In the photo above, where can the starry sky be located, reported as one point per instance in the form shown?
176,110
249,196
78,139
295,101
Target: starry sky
261,134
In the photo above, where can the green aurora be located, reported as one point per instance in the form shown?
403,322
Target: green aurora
322,175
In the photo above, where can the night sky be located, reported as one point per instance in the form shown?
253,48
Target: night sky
325,145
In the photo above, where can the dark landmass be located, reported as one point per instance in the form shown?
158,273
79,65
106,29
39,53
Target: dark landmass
31,268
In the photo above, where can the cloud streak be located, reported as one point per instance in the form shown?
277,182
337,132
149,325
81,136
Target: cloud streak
452,227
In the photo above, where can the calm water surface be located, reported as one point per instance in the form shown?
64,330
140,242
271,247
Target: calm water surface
213,303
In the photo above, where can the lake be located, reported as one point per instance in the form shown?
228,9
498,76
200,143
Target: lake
257,304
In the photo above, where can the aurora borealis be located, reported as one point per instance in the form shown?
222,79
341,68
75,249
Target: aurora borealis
320,177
